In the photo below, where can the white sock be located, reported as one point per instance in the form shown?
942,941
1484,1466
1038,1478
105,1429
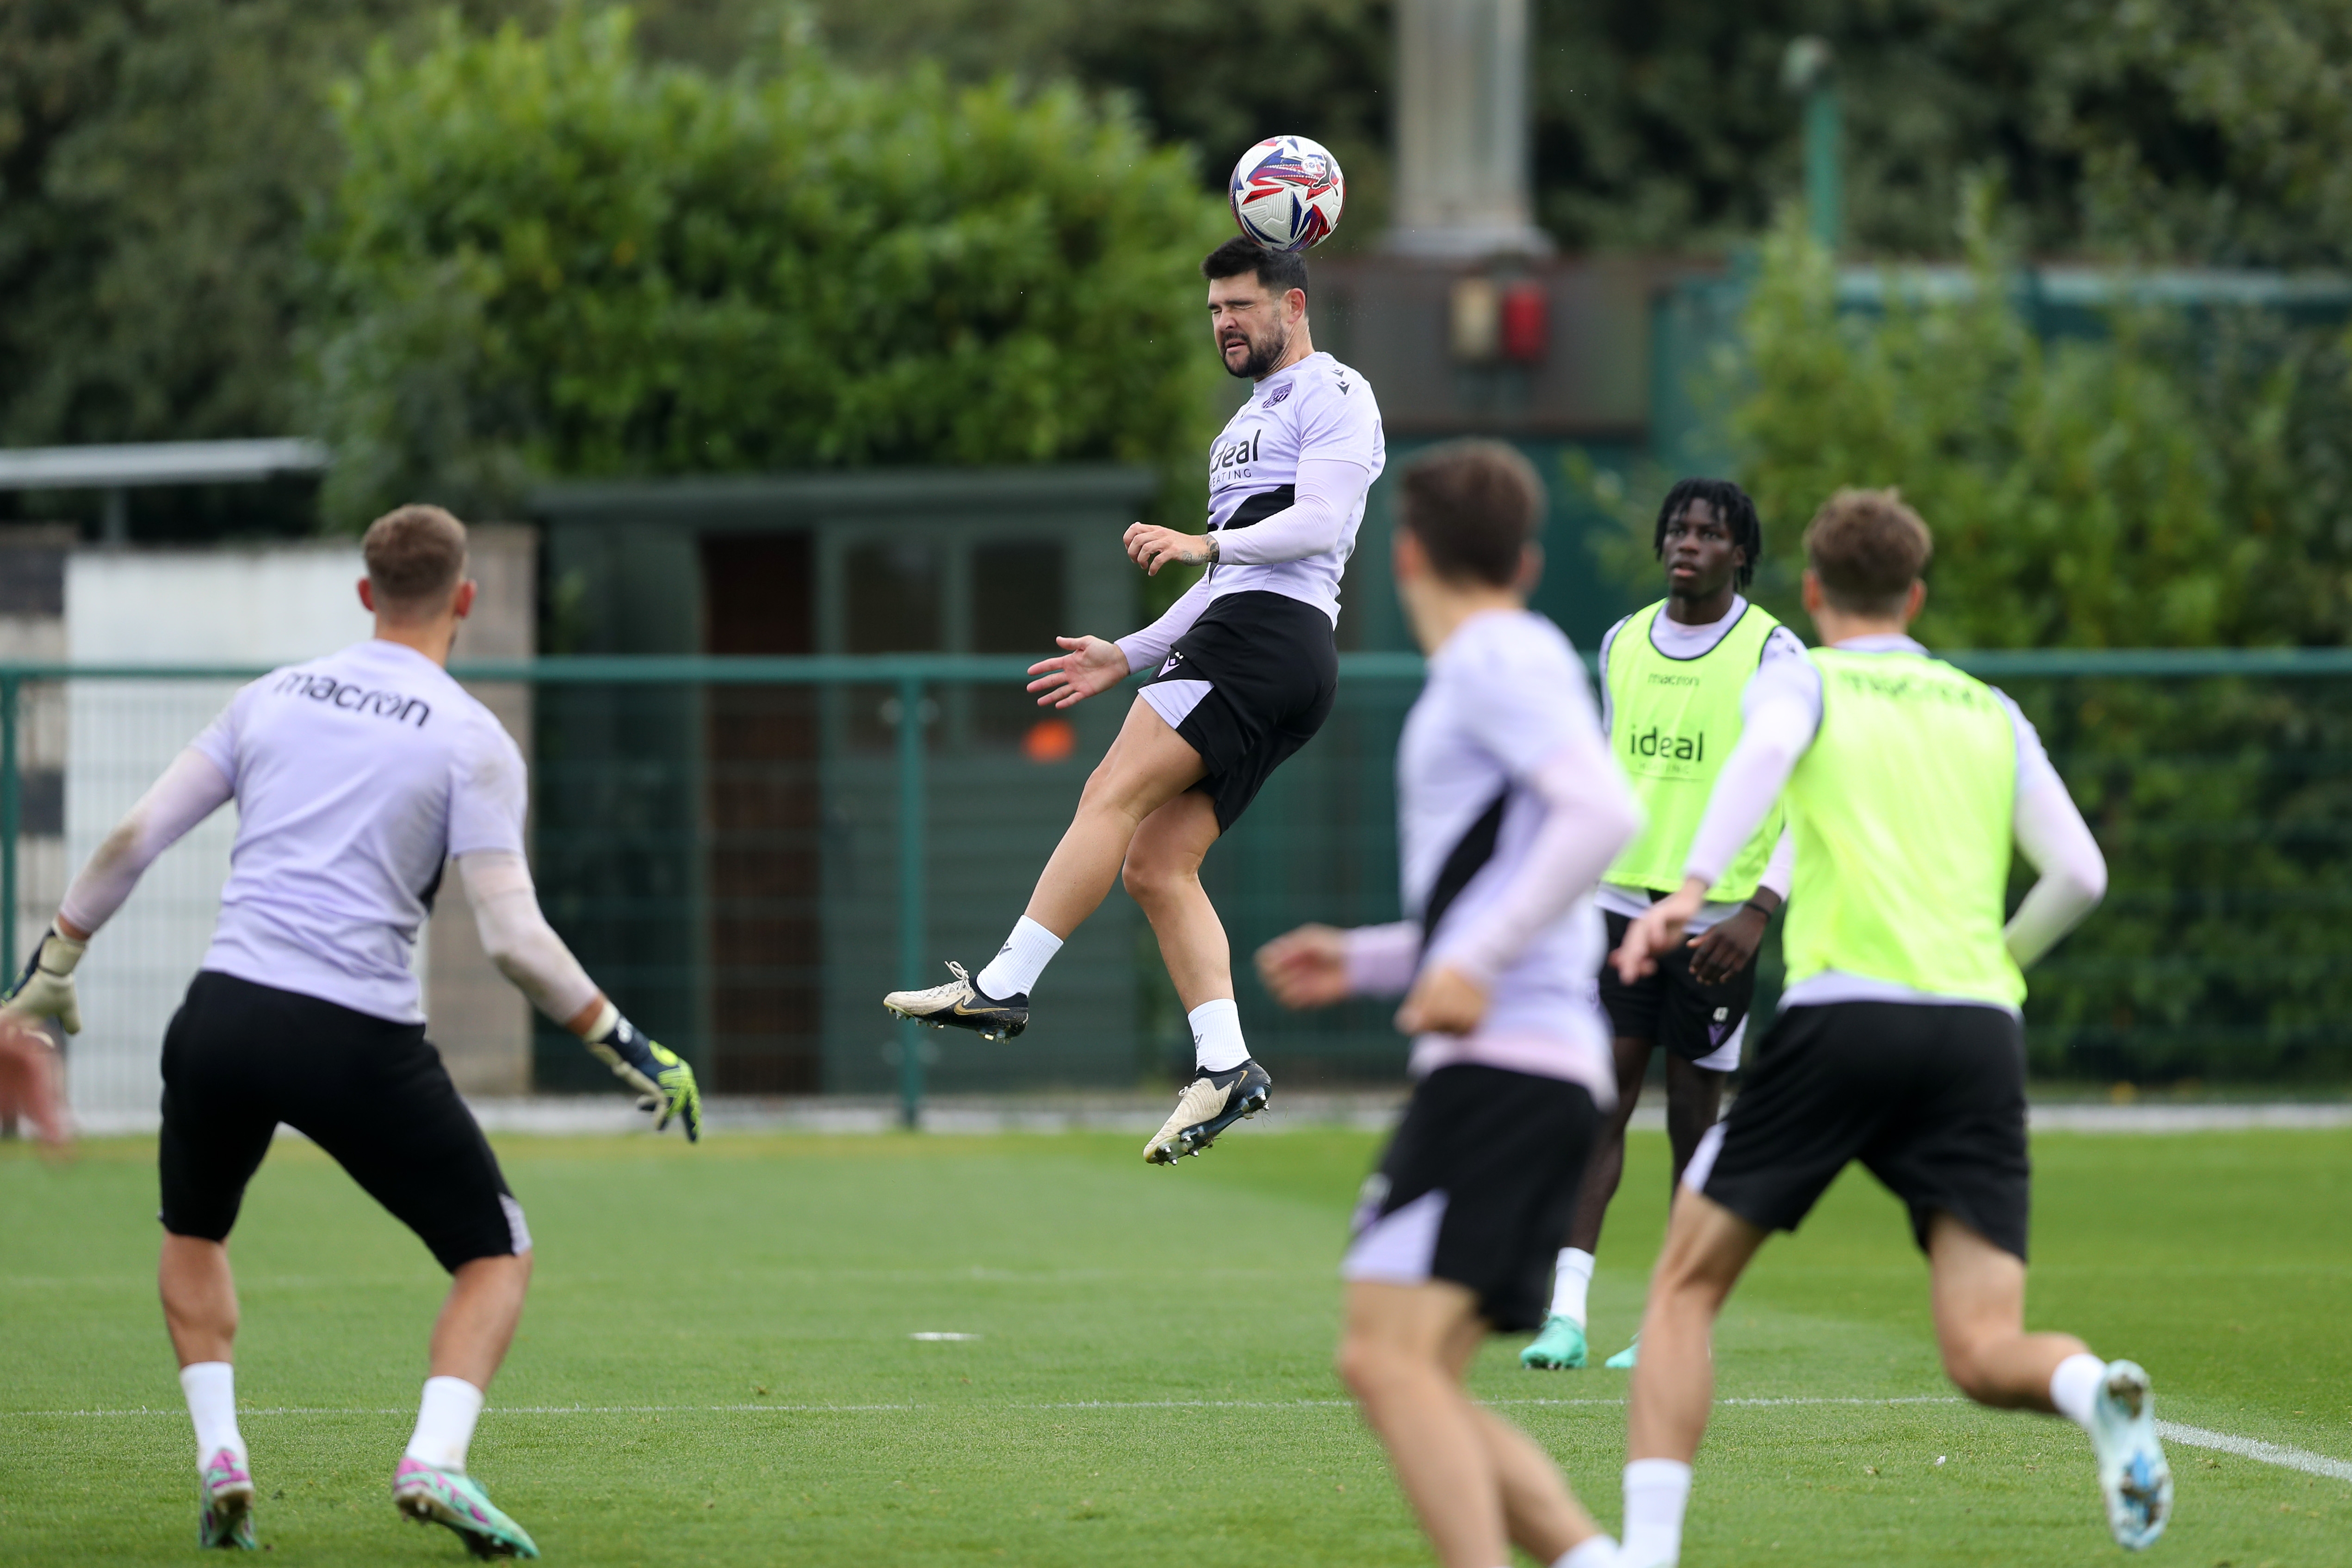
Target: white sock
211,1388
445,1422
2075,1387
1571,1279
1599,1551
1015,970
1217,1036
1657,1491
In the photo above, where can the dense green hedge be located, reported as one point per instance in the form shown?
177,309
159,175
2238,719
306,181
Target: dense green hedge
547,256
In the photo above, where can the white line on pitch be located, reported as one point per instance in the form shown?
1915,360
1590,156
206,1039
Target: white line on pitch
2277,1454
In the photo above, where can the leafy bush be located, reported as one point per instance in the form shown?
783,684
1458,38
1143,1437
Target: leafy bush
548,256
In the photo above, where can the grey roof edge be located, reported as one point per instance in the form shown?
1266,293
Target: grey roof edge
747,497
158,463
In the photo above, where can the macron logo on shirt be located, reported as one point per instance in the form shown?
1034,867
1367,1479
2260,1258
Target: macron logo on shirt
353,698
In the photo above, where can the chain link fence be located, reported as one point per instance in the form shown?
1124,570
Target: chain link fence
747,853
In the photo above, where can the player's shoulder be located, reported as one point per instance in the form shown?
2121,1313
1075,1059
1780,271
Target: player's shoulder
1780,641
1323,382
1509,644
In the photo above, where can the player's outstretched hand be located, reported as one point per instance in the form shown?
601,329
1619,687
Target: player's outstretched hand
1087,667
665,1084
1655,932
1152,547
1444,1001
1306,968
46,988
1724,949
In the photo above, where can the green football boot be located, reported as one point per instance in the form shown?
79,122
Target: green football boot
1624,1359
1560,1345
431,1495
225,1497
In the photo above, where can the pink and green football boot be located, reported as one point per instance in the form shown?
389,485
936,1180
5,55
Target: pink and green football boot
225,1489
429,1494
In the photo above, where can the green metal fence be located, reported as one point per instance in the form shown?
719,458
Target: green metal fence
747,851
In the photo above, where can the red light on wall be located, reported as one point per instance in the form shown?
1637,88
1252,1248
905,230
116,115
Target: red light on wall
1049,740
1526,324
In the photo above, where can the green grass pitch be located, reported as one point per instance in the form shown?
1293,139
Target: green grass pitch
716,1367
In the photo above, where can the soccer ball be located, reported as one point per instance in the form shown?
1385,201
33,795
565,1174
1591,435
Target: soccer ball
1286,192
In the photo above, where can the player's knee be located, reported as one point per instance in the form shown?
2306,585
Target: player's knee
1366,1366
1969,1374
1150,877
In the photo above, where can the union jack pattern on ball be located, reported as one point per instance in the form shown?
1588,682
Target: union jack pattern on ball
1286,192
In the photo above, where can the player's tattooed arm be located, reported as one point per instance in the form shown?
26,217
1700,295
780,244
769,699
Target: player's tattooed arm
1152,547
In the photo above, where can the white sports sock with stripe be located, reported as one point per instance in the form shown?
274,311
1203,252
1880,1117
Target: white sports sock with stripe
1013,971
1217,1043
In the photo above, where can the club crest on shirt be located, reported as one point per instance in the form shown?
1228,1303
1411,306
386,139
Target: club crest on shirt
1279,394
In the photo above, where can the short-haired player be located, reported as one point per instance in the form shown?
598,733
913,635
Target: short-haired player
1898,1042
1509,811
357,778
1670,677
1241,673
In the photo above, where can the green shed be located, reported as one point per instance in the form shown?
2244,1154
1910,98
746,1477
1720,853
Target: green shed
726,854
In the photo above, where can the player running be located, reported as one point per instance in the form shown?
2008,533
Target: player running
1509,811
1244,670
1899,1043
1671,677
357,776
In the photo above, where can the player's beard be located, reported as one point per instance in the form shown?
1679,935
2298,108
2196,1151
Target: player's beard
1262,357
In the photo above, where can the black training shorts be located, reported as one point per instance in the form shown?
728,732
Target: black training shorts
1672,1006
1250,684
1478,1188
240,1058
1930,1098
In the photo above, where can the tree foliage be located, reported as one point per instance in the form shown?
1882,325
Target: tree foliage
2178,482
547,254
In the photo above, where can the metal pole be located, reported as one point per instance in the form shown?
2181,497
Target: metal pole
1809,69
10,794
1824,193
911,940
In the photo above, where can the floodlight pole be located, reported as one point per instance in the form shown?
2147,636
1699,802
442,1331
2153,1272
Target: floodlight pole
1809,71
912,955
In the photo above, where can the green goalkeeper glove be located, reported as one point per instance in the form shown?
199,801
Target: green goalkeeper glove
665,1084
46,988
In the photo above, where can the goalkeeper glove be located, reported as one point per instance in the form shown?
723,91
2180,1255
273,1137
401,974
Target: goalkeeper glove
663,1083
46,988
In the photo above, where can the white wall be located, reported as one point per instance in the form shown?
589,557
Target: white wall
273,605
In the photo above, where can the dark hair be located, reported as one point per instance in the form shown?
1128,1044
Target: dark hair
1474,506
1868,548
414,554
1279,270
1731,504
